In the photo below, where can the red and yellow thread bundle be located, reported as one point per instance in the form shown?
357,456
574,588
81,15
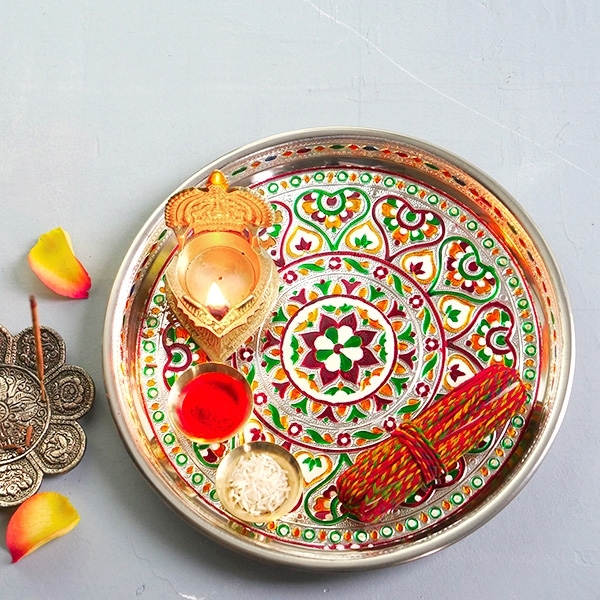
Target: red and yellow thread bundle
423,450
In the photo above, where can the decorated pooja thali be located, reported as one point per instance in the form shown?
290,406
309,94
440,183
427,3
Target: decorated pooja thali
404,272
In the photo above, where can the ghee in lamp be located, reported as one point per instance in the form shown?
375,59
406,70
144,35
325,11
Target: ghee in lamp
210,403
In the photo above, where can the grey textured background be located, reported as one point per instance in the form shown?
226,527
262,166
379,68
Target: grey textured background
106,107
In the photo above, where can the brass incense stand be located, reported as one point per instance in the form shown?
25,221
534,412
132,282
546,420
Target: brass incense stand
220,284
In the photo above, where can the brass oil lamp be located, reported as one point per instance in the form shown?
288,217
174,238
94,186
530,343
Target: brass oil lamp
220,284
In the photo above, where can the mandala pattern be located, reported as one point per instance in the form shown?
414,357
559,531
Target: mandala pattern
393,294
38,435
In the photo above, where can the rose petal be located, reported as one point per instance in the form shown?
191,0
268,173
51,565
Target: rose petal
41,518
53,261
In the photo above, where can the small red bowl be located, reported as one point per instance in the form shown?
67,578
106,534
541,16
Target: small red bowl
210,403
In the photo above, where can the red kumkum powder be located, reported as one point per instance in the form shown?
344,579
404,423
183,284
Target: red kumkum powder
213,407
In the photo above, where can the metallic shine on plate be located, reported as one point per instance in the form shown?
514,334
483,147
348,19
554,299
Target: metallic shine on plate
431,264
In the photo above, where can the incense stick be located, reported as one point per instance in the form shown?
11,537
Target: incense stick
39,353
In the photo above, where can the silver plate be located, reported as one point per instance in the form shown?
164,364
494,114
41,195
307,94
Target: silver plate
399,180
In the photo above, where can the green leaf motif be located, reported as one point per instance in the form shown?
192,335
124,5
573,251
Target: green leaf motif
331,333
280,317
366,435
408,409
426,320
375,293
311,463
362,242
295,345
276,417
274,230
356,265
406,334
323,355
452,314
355,414
398,284
301,405
383,352
270,363
312,267
399,383
332,391
353,341
324,286
429,365
251,374
345,363
317,437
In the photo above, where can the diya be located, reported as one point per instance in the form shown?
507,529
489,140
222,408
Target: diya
220,285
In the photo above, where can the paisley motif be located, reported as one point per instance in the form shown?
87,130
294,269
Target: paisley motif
303,241
459,369
321,503
409,225
314,467
333,212
463,273
456,312
489,337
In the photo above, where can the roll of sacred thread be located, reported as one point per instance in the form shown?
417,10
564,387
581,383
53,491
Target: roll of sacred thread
421,451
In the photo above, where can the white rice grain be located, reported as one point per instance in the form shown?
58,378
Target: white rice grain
258,484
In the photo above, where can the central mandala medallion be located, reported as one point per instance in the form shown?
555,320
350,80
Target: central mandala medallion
355,347
343,355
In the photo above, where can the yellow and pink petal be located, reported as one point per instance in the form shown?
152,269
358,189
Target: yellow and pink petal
53,261
40,519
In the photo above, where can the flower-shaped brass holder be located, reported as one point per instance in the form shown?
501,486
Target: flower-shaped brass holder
220,284
39,434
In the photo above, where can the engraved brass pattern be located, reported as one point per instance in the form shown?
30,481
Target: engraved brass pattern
38,435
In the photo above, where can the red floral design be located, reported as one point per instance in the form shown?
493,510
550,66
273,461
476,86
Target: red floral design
323,502
335,263
246,354
380,272
295,429
422,389
260,398
338,350
290,276
389,424
416,301
344,439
